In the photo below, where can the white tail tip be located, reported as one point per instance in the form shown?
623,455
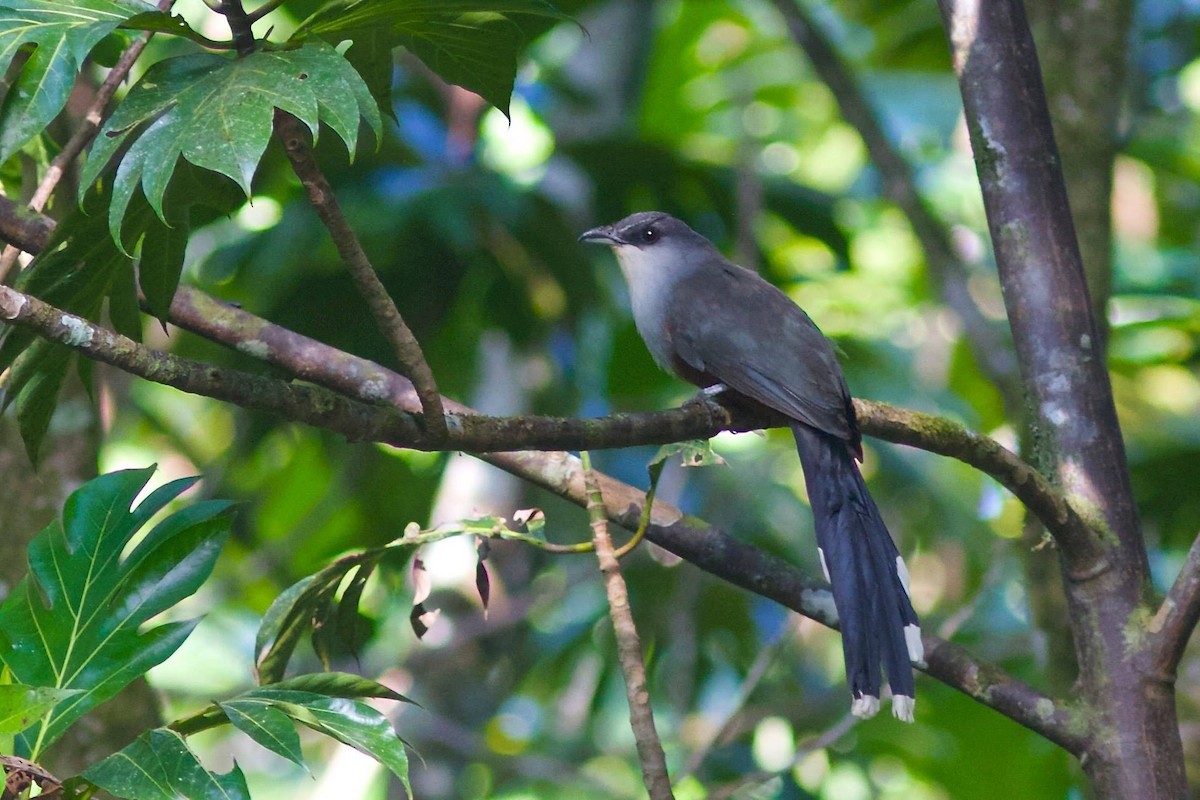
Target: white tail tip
902,707
916,648
865,706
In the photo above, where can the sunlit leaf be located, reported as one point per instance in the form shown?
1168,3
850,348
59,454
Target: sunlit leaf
75,622
20,705
266,725
692,453
58,37
347,720
160,766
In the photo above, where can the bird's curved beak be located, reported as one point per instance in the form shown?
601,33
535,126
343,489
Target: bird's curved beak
601,235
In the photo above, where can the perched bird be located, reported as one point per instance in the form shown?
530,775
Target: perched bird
724,328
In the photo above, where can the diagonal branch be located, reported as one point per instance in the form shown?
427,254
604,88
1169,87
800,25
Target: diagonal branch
559,472
1172,626
404,344
702,545
991,346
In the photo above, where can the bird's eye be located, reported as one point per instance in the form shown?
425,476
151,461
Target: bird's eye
649,235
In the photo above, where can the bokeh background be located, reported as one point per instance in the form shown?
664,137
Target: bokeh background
708,110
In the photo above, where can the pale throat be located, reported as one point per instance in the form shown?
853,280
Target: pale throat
650,277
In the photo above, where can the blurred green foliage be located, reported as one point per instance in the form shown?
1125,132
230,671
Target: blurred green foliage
706,110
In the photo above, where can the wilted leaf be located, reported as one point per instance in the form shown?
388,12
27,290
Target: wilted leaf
421,586
692,453
483,583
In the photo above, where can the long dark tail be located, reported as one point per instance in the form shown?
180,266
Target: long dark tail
869,579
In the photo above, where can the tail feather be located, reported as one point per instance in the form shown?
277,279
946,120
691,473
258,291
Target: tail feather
869,579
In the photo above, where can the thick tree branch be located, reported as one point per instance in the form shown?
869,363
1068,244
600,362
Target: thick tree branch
295,138
991,347
629,645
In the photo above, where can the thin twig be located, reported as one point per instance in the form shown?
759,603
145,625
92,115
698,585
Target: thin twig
749,683
1172,626
404,344
88,127
263,10
629,647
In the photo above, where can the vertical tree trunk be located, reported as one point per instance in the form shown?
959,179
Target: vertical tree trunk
1134,747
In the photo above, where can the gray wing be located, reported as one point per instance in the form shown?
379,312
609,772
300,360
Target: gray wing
731,324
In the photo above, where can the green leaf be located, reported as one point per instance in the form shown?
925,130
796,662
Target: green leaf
471,43
160,766
122,302
58,36
311,599
20,705
266,725
216,112
162,254
339,684
46,364
75,621
348,721
164,22
282,628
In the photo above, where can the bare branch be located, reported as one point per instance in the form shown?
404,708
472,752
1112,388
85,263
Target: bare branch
629,646
404,344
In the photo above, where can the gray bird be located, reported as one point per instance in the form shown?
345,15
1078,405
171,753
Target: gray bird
724,328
